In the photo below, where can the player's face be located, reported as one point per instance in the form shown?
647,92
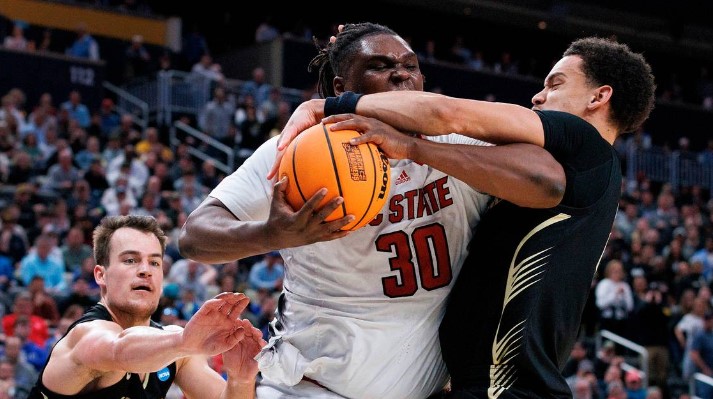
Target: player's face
383,63
134,276
566,88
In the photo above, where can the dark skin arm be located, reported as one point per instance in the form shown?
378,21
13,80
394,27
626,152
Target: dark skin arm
212,234
524,174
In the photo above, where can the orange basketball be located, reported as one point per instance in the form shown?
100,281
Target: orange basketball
320,158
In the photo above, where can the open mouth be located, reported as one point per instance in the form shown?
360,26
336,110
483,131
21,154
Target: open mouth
141,288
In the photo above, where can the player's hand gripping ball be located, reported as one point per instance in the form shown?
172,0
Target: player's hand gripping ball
360,174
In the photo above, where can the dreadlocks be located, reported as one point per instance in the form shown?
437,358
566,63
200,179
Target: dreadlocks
333,58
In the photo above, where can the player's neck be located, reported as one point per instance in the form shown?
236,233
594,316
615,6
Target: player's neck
125,319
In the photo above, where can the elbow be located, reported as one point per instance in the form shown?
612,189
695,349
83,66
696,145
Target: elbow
551,189
186,245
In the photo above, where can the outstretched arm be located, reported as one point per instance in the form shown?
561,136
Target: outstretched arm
524,174
435,114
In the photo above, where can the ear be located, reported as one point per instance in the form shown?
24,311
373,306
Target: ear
338,83
99,273
601,96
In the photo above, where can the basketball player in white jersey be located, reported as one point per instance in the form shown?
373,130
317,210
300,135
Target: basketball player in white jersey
359,312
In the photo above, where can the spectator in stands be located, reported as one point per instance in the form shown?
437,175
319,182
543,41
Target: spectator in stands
266,31
577,355
75,250
34,354
84,45
705,257
138,59
257,86
16,40
22,307
126,132
634,385
13,363
206,71
62,176
267,273
614,298
116,195
76,109
40,263
215,119
194,46
110,118
13,237
43,304
151,143
689,325
701,354
648,326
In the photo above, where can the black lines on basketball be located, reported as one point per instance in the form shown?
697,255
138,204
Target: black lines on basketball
334,166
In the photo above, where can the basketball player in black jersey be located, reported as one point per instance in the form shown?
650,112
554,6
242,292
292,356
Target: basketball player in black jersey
515,310
116,351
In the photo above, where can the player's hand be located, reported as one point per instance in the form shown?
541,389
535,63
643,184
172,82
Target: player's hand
216,328
393,143
239,361
305,226
306,115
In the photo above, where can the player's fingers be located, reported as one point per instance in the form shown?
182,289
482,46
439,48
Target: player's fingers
322,213
337,118
272,174
238,307
335,226
310,207
238,333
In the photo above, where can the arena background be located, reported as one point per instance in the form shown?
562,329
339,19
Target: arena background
671,158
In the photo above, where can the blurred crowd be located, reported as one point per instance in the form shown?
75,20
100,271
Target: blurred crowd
65,164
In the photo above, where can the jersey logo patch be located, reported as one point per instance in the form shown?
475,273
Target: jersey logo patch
163,374
403,178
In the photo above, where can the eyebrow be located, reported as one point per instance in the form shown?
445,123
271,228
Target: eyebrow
132,252
552,77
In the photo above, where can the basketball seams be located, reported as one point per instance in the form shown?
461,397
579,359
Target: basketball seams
334,167
294,170
367,210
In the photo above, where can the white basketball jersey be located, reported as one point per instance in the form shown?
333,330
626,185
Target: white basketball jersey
361,313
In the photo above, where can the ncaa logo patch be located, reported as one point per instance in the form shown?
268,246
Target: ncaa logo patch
163,374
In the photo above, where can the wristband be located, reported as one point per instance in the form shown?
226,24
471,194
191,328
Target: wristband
344,104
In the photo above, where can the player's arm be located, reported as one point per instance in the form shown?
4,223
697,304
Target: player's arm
524,174
103,346
198,380
436,114
212,234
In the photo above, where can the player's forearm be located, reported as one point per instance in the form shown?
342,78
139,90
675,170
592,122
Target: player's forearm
213,235
435,114
235,389
523,174
147,349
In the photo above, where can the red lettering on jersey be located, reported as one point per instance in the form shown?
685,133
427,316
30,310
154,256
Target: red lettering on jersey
443,192
411,196
429,191
425,201
423,205
396,210
376,220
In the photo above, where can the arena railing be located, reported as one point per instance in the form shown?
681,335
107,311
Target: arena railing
642,358
128,103
678,169
202,146
698,377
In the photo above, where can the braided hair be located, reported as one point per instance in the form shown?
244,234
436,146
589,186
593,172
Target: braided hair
333,58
